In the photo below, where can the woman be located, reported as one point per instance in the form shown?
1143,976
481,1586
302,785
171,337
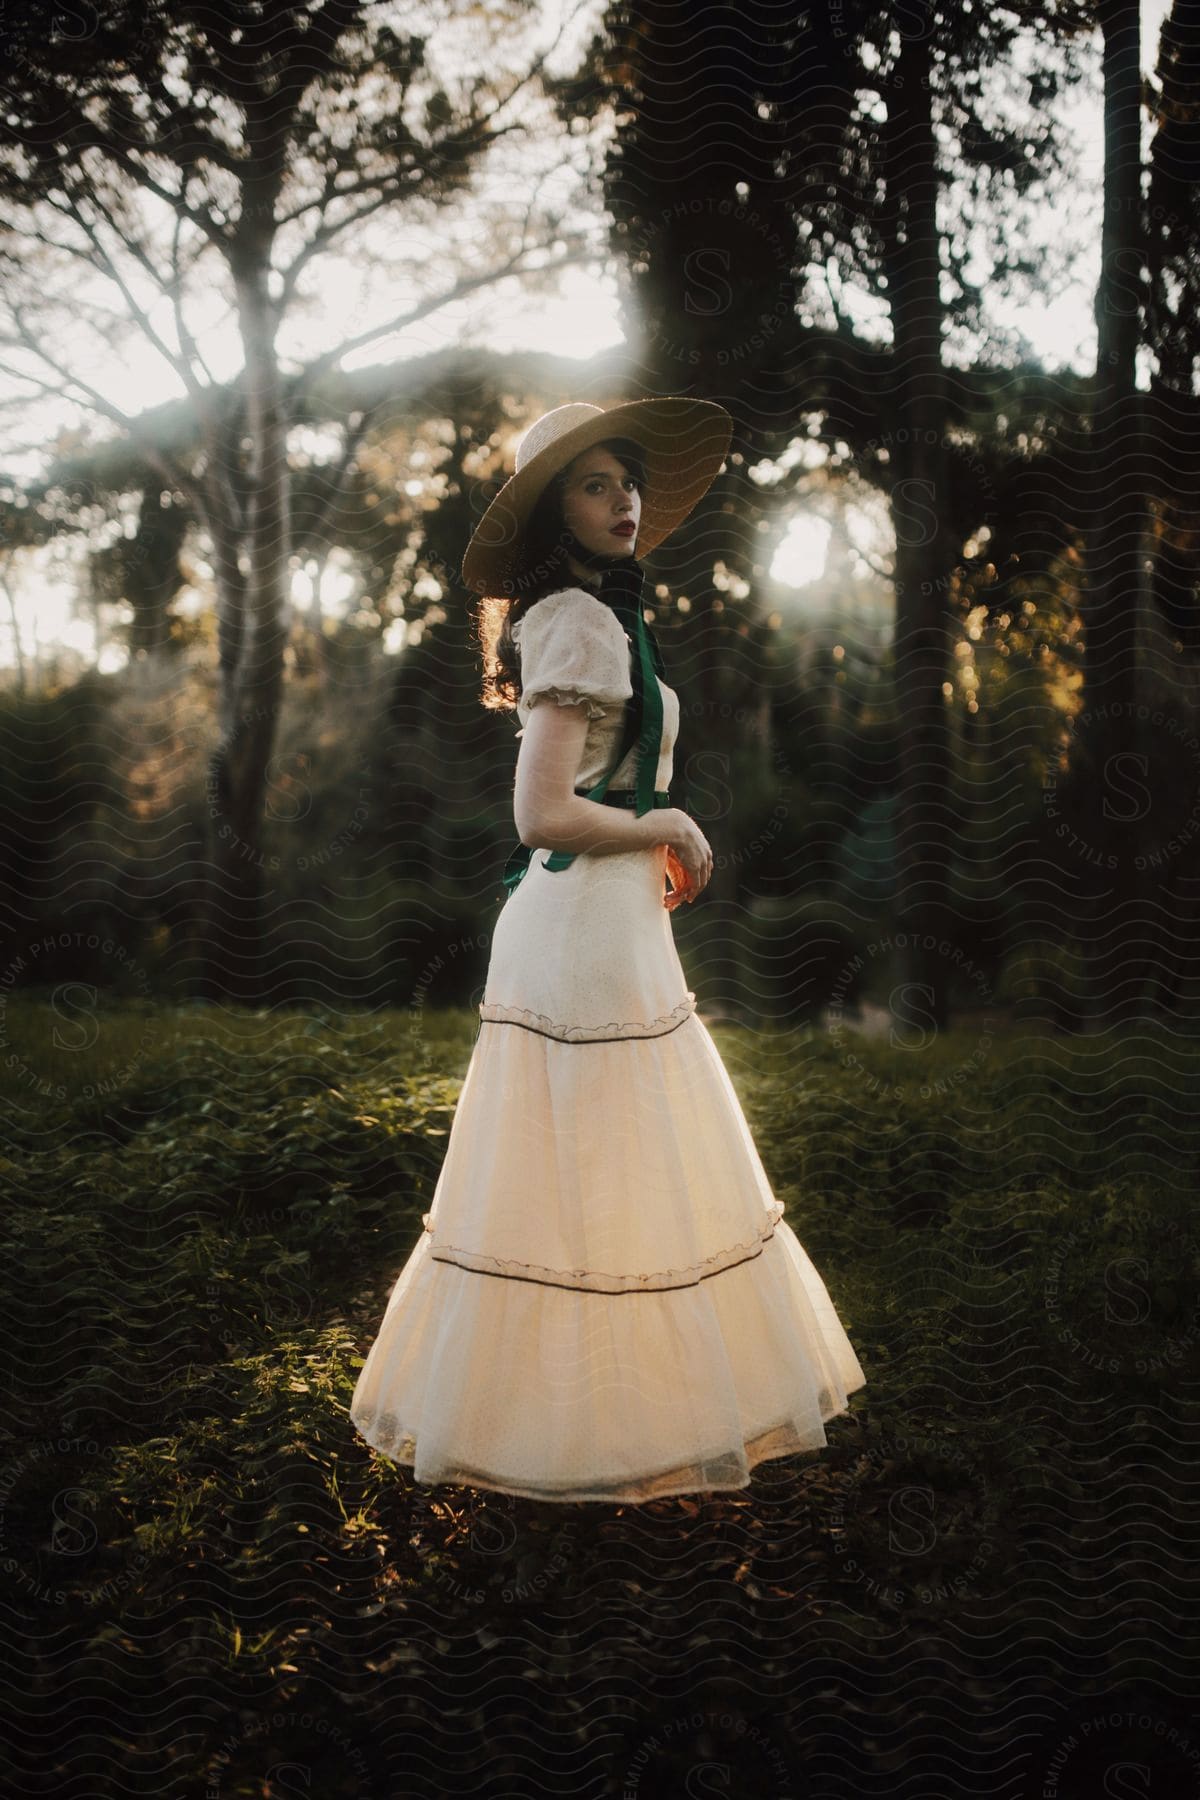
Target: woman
606,1303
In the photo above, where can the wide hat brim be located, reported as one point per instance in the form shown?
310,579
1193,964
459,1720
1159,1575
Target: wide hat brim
684,443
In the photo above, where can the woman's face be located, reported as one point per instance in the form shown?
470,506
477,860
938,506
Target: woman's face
601,501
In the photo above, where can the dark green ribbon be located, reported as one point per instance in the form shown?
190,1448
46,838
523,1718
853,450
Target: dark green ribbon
622,590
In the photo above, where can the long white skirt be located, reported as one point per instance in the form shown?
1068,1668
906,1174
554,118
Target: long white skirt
606,1302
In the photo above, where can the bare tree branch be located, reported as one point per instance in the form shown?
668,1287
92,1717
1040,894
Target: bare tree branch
467,285
96,402
203,393
142,176
329,193
101,259
72,211
109,268
76,250
320,241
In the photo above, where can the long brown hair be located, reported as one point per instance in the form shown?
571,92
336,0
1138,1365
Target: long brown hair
543,570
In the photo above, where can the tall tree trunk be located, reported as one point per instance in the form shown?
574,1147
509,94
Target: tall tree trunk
1109,736
18,648
925,553
252,576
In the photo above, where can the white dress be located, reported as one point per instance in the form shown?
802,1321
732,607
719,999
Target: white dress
606,1302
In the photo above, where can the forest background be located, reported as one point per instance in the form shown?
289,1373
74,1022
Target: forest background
962,782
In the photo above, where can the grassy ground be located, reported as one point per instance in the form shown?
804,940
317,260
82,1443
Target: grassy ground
985,1584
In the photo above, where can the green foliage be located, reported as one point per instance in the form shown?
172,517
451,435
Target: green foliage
199,1260
1045,981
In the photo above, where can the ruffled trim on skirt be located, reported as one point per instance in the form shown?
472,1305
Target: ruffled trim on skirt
532,1391
496,1013
599,1281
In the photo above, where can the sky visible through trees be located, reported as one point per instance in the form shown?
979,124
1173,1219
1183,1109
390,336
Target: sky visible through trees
579,317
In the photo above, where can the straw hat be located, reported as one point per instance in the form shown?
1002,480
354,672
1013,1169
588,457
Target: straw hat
684,443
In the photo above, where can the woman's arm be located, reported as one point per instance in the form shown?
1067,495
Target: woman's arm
550,815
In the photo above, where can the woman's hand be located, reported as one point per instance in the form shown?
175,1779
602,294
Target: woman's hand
680,889
689,859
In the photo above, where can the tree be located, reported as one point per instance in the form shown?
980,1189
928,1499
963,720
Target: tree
1153,296
1110,736
798,167
171,153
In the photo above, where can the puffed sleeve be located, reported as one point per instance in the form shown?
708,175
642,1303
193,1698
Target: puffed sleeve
573,647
